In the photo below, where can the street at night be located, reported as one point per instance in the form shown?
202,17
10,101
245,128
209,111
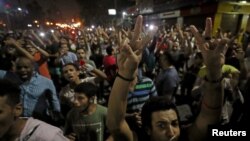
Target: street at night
124,70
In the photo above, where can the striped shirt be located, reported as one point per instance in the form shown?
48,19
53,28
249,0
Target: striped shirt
144,89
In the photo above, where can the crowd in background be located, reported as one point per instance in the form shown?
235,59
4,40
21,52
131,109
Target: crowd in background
66,81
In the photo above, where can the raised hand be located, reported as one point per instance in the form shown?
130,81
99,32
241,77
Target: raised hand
128,60
213,50
131,50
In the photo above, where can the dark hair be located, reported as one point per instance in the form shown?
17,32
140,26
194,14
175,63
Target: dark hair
198,55
72,64
87,88
11,90
168,56
109,50
21,57
155,104
83,48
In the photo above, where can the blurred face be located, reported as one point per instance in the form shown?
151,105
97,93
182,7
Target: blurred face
10,50
165,126
6,116
24,68
162,60
63,41
80,54
81,41
31,49
70,73
63,48
175,47
81,101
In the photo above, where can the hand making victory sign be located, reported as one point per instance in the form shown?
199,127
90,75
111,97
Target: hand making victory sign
213,50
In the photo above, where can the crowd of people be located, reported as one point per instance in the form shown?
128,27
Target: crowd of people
163,84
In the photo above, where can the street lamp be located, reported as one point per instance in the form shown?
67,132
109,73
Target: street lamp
29,25
112,11
243,1
124,14
19,9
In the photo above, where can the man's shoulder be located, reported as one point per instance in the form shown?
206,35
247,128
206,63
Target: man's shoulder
145,79
101,109
41,130
41,78
31,123
73,113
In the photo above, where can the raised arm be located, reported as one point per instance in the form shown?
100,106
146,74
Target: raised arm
37,38
100,75
128,61
213,52
42,51
19,48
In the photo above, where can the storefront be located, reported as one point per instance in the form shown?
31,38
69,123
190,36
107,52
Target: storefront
164,19
197,15
232,16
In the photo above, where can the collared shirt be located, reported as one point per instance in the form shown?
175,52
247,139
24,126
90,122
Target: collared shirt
33,95
70,57
36,130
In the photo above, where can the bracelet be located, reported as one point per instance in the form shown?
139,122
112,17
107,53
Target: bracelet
123,78
213,81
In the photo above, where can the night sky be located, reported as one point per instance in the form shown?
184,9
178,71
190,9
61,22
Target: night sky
69,8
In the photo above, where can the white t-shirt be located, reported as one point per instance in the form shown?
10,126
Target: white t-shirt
67,93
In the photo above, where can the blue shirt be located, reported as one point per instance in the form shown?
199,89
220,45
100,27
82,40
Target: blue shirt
70,57
167,81
33,95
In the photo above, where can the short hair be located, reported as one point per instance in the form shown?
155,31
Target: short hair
109,50
83,48
72,64
169,57
198,55
21,57
11,90
155,104
89,89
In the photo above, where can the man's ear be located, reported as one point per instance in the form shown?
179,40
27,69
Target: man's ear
92,99
18,110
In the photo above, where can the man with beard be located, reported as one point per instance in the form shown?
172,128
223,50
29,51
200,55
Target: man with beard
87,120
35,90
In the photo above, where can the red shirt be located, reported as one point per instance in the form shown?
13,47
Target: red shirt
43,66
110,68
108,61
